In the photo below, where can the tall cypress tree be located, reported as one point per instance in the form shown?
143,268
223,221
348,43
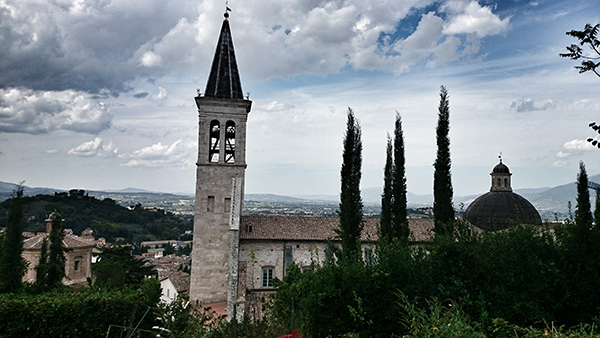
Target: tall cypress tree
55,270
41,270
597,211
12,264
399,221
583,213
385,222
351,205
443,211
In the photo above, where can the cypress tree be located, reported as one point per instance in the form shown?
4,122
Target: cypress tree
583,213
443,211
597,211
399,221
351,205
56,255
385,222
41,270
12,264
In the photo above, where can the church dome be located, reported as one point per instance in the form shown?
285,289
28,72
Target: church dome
501,168
500,207
496,210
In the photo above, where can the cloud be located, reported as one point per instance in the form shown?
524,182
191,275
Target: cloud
570,148
471,18
96,147
525,105
161,95
162,155
87,46
141,95
39,112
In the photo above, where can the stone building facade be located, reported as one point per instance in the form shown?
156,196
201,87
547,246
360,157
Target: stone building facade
221,166
78,258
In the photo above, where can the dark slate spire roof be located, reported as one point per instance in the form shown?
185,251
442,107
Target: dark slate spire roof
224,79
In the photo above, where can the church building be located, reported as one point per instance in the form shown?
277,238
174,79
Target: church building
235,258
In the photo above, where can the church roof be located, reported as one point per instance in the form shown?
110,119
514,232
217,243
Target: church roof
500,168
69,241
496,210
224,79
317,228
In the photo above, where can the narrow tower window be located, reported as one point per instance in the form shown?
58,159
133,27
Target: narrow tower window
215,141
210,204
499,182
230,142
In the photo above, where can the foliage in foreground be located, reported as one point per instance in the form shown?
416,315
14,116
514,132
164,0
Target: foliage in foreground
527,276
68,313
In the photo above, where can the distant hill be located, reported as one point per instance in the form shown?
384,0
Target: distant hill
104,216
547,200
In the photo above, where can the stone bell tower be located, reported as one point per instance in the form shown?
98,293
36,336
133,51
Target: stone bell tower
221,166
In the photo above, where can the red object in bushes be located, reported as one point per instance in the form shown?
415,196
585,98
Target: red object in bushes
296,334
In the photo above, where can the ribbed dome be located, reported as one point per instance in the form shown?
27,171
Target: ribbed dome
501,168
496,210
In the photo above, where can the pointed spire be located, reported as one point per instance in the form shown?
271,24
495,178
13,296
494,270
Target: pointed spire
224,79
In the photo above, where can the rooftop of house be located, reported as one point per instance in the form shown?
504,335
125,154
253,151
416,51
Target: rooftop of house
69,241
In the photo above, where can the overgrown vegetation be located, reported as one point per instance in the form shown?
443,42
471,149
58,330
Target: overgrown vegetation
527,276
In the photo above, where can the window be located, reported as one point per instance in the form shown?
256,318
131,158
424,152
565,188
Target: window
227,205
230,142
77,264
215,141
250,228
288,256
267,277
328,255
506,182
210,204
369,256
499,182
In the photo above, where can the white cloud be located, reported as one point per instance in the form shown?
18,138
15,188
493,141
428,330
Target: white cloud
162,155
96,147
149,59
524,105
38,112
571,148
471,18
161,95
578,145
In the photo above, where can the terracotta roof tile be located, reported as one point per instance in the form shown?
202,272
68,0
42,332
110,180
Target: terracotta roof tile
318,228
70,241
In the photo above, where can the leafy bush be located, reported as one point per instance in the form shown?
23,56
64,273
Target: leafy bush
69,314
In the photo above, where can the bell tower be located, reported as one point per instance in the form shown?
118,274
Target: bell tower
221,166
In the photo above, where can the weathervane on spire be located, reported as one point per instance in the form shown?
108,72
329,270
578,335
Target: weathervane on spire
500,157
227,9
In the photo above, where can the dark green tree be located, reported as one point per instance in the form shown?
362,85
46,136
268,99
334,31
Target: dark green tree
385,222
351,205
399,221
117,267
41,270
583,213
55,270
12,264
588,36
443,210
597,211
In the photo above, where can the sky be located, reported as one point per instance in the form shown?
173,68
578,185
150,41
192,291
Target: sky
99,94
